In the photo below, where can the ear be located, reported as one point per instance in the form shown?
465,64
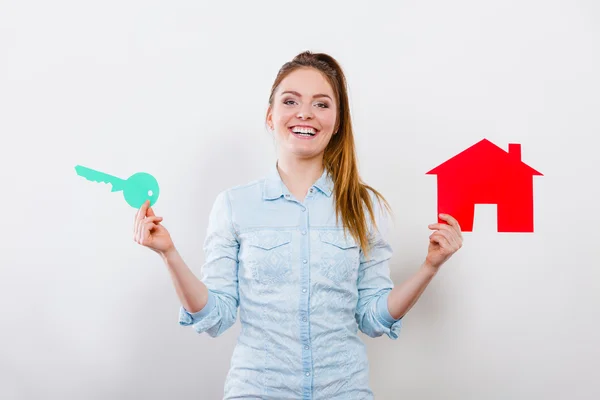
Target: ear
269,118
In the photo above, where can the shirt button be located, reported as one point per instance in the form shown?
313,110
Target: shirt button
306,347
303,290
304,232
304,319
308,374
303,209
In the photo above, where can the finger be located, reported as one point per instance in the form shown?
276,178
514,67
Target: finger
452,222
136,224
138,232
449,219
448,234
440,239
140,229
147,226
141,211
144,209
451,234
136,218
443,227
144,235
150,212
439,226
152,220
454,238
146,232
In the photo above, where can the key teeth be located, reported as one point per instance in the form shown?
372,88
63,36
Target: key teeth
92,175
96,180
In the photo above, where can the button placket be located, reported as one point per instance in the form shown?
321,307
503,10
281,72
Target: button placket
305,286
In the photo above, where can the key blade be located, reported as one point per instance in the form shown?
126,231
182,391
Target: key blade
97,176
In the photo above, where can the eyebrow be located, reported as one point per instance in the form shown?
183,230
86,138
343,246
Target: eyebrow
298,94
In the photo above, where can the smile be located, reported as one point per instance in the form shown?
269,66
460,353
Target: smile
303,131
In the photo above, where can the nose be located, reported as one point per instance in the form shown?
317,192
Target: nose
305,112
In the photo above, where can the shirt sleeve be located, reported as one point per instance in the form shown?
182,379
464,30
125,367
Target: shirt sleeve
219,273
375,284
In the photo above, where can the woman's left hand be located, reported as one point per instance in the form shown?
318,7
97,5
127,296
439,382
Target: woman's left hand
444,242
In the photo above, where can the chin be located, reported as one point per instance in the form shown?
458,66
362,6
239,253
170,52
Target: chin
303,153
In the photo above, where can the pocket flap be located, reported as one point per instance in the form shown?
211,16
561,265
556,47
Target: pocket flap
269,239
338,238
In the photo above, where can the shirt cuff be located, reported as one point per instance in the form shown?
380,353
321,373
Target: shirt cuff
383,313
197,316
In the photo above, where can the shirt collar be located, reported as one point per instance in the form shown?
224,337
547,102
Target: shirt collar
275,188
325,183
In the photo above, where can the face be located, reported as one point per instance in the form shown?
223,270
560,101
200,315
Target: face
303,114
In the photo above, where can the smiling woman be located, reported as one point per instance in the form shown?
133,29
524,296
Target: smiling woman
298,113
309,102
299,253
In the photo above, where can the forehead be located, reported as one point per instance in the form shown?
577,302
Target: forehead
307,82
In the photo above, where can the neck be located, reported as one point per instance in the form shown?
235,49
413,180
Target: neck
299,175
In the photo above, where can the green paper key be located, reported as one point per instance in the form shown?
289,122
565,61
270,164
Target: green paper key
138,188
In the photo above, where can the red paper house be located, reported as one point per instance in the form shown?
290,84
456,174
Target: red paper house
486,174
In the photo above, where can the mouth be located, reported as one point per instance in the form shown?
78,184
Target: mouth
303,131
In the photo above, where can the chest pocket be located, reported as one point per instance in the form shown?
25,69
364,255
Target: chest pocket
269,255
339,256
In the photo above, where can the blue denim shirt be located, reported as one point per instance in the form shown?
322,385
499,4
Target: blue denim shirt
303,287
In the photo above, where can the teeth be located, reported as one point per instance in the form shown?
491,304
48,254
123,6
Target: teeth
307,131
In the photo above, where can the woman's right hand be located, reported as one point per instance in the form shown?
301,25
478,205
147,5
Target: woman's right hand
148,231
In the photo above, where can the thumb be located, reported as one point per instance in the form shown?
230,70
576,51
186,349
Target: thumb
150,212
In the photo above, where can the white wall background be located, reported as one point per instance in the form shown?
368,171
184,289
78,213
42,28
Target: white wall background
179,89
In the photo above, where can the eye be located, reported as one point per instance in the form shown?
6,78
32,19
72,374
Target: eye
322,105
288,102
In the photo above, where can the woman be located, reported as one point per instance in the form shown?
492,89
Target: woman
299,252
